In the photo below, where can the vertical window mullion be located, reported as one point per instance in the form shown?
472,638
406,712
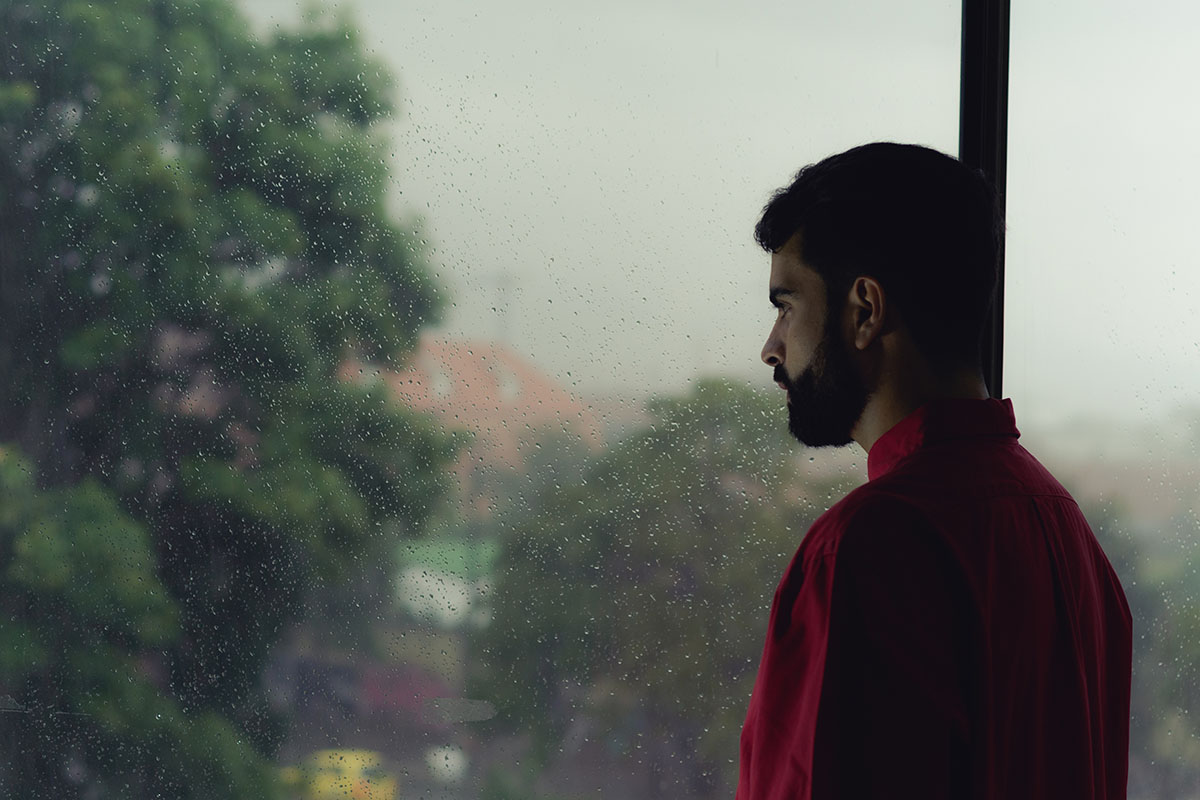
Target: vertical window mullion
983,137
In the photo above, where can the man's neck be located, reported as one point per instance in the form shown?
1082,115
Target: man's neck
904,393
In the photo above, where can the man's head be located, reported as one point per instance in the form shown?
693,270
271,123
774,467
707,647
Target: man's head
883,238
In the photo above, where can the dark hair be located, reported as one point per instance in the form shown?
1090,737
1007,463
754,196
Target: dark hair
924,225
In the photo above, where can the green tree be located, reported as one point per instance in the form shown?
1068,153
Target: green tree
84,605
194,244
1164,598
1162,591
638,596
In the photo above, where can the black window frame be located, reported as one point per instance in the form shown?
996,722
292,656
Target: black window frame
983,138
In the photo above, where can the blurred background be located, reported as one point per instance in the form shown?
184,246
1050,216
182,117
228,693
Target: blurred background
380,406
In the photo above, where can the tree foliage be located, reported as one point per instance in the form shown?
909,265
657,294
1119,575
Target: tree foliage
195,241
637,598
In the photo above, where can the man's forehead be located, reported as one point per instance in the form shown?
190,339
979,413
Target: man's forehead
788,270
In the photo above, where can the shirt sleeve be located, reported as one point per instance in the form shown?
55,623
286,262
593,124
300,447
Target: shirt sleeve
892,719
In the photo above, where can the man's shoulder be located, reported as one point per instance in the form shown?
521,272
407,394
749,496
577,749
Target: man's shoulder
936,490
870,507
969,472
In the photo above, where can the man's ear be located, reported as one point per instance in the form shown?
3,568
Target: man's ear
869,310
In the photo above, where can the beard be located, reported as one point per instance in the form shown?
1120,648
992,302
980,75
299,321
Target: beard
828,398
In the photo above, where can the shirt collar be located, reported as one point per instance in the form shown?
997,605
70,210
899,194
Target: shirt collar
938,421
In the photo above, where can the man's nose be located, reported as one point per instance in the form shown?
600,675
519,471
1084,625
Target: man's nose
772,354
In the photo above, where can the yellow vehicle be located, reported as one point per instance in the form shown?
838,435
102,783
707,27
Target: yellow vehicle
341,775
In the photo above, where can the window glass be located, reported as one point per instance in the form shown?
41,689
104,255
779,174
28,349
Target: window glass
1100,345
382,411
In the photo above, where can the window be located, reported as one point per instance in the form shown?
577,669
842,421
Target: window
1099,347
382,411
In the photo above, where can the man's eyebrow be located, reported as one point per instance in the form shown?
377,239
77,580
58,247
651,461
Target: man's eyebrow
778,292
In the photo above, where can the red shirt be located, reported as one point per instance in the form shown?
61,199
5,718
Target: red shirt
950,629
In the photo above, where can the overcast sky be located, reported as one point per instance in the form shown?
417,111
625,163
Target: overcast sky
589,176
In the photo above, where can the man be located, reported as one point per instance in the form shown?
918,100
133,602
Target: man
950,629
